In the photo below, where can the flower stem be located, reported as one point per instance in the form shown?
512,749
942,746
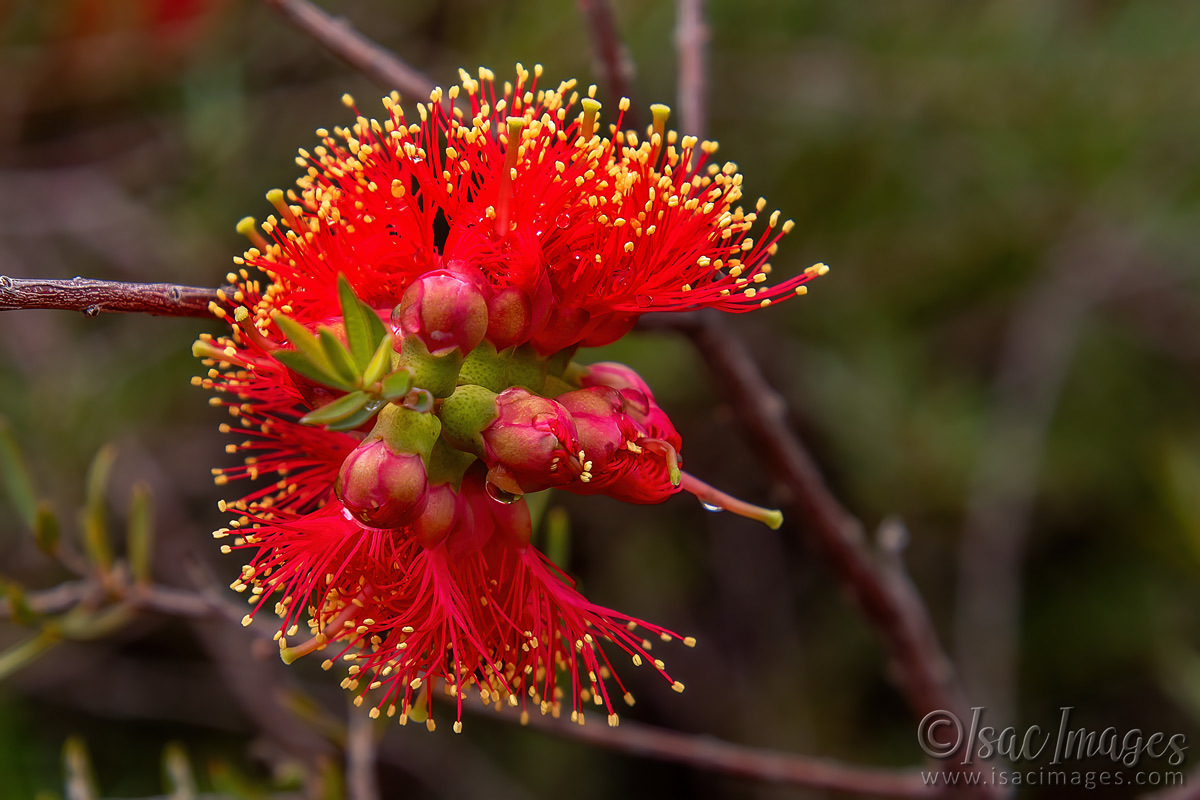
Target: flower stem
714,498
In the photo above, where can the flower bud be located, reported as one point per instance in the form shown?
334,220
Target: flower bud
533,439
382,488
600,421
510,314
445,310
640,405
439,517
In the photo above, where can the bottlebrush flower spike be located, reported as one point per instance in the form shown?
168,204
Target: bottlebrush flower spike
402,372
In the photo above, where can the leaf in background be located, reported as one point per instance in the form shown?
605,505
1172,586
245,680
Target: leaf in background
79,782
338,410
337,354
95,526
178,779
45,529
139,540
25,653
558,535
18,605
15,475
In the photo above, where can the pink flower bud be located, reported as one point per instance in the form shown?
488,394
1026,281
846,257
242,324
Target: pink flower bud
639,400
439,517
380,488
510,313
533,439
601,422
445,310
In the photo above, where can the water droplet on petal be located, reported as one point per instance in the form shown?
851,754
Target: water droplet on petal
710,507
644,301
499,495
563,221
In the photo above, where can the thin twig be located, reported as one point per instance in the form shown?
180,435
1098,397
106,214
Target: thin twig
707,753
341,39
691,40
614,58
1034,362
93,297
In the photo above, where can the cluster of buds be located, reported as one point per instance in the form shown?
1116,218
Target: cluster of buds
535,423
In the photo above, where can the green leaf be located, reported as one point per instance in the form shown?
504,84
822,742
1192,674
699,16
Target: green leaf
16,475
304,342
358,327
79,783
397,384
338,410
357,418
95,525
336,352
380,361
139,538
297,362
45,528
179,781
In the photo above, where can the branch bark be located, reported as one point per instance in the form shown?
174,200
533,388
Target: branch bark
93,297
341,39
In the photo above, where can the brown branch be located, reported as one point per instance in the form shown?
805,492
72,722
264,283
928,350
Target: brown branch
614,58
707,753
691,40
341,39
877,580
93,297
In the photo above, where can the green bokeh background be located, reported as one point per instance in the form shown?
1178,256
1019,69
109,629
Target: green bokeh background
947,159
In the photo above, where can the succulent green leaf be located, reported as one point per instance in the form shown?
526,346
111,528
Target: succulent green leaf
15,475
357,418
397,384
95,525
358,328
304,341
299,363
338,356
338,410
140,541
381,359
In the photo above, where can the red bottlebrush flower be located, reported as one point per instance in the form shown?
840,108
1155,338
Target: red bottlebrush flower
393,529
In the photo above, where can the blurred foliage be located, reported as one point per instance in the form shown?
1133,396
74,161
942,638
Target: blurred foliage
936,154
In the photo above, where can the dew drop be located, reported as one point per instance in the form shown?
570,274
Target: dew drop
563,221
5,282
710,507
499,495
92,311
644,300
